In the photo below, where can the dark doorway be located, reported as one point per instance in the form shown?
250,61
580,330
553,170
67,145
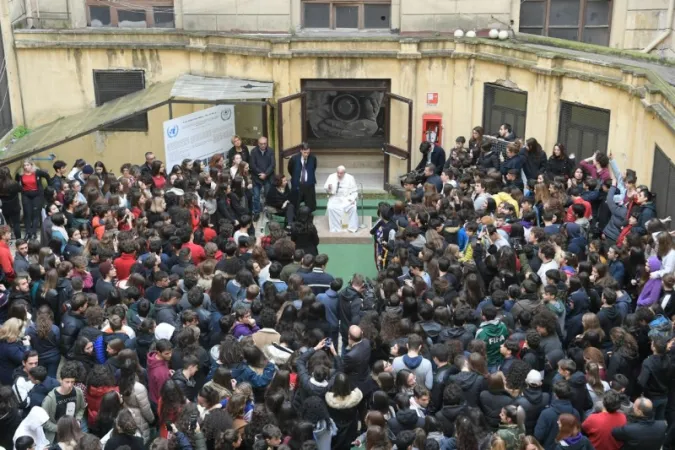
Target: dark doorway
663,184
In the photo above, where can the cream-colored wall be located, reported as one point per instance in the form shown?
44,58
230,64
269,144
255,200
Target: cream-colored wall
241,15
636,23
56,82
449,15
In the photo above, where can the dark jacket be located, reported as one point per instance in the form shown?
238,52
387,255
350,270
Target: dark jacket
441,377
405,419
472,384
188,386
535,163
71,324
305,387
581,399
118,440
617,217
11,355
48,347
647,213
533,402
245,156
39,391
609,318
344,413
513,163
11,205
448,415
460,333
318,280
487,160
40,175
547,425
165,313
620,363
437,159
559,167
295,169
350,309
355,363
641,434
579,442
655,377
262,163
306,237
491,403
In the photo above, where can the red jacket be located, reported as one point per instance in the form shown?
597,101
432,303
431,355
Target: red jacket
123,265
94,395
7,261
209,234
158,373
198,253
570,217
598,427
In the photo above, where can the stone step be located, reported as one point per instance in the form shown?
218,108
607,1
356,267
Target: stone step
362,236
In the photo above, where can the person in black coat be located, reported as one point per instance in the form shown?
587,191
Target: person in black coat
279,198
533,400
356,359
9,201
440,354
431,154
454,405
469,379
302,168
488,158
237,147
72,322
312,384
494,399
535,159
547,424
304,233
124,433
642,432
559,164
655,378
514,160
405,418
343,400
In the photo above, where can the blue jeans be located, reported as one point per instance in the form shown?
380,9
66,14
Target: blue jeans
257,186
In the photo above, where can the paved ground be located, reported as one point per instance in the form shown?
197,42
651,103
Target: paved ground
667,73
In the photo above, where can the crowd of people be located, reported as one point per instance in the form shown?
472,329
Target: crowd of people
523,301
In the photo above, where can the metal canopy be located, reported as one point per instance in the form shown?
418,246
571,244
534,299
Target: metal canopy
213,88
185,89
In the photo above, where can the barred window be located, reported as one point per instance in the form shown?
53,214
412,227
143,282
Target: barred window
113,84
583,129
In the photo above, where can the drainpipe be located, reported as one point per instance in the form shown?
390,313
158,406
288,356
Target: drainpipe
665,34
11,66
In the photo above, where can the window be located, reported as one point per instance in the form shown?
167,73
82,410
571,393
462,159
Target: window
502,105
663,184
112,84
577,20
355,14
130,13
583,129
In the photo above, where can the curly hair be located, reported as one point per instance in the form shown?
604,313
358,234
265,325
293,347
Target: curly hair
215,422
44,321
125,422
231,351
100,375
515,377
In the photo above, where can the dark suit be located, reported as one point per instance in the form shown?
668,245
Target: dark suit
303,191
436,181
356,363
437,159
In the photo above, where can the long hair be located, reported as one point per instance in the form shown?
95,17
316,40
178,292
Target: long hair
173,399
569,426
593,378
11,330
465,434
44,321
68,430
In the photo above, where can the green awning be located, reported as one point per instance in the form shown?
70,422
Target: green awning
186,88
72,127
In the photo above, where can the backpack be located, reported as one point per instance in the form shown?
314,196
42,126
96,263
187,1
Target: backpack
660,327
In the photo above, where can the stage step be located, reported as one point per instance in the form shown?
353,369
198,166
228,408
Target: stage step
362,236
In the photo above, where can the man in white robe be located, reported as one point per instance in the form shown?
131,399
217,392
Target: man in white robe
342,201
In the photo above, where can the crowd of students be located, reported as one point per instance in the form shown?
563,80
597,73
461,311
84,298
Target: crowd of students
523,302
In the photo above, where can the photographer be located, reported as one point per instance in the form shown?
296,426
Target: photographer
431,154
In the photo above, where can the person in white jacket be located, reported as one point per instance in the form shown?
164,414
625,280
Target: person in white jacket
32,426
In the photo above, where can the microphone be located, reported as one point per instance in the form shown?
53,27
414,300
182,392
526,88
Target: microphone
338,187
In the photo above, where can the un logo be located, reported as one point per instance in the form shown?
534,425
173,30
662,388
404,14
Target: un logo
172,132
226,114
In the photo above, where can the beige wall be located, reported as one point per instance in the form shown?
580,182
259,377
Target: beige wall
58,81
243,15
449,15
636,23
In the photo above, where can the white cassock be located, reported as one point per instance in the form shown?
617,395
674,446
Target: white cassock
342,203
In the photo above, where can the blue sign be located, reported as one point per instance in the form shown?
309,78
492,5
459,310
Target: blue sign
172,131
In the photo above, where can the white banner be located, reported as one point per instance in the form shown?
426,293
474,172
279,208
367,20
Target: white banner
199,135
